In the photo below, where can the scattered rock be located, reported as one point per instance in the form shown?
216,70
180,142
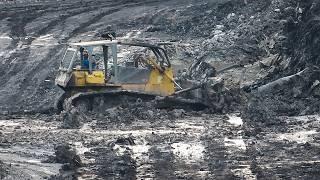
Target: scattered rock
154,28
125,141
72,118
65,154
178,113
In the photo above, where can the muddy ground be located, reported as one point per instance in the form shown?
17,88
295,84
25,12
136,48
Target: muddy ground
255,129
194,146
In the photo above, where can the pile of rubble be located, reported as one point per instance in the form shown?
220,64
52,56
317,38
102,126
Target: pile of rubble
293,86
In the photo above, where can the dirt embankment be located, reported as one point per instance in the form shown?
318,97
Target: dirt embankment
273,44
292,87
34,36
220,32
274,35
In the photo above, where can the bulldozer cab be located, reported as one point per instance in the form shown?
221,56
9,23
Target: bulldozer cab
112,63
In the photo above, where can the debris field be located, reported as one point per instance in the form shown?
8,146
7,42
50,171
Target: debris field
256,63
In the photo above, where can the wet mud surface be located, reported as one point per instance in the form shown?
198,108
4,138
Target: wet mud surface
263,122
192,147
286,149
195,147
35,34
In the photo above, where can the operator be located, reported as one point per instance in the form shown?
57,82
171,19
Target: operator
86,62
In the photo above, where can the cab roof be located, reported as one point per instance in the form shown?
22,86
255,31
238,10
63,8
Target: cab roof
95,43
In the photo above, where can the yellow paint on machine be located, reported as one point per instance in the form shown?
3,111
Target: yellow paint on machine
83,78
96,77
158,83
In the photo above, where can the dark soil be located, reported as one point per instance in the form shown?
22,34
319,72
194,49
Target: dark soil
263,41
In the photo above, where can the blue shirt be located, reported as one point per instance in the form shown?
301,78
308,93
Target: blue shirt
86,63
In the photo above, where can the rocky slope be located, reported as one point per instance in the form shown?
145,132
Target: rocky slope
273,86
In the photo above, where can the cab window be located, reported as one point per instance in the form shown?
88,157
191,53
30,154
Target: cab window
67,59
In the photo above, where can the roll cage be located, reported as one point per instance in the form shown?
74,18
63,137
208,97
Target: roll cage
69,59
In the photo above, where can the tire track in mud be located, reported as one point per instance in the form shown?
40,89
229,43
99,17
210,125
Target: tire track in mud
32,71
162,149
82,27
226,151
17,34
21,24
17,22
26,51
179,154
48,63
189,148
158,151
216,151
288,150
185,148
163,166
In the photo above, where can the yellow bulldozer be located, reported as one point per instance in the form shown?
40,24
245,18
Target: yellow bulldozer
91,73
